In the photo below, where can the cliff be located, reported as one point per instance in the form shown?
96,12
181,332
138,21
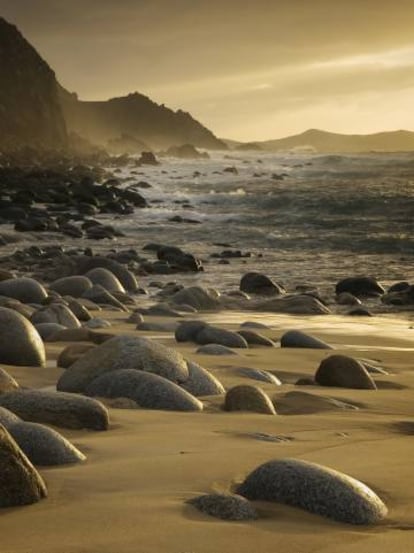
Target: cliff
30,110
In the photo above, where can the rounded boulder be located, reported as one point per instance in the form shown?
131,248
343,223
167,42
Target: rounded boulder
315,488
20,343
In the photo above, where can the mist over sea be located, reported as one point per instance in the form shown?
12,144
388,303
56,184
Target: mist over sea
303,218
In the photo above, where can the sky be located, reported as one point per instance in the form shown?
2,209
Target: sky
248,70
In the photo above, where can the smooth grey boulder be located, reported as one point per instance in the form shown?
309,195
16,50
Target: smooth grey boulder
72,353
135,318
255,338
257,374
85,263
7,382
97,322
215,349
344,372
20,483
56,408
43,445
315,488
214,335
255,325
70,335
55,313
258,283
124,352
105,278
150,391
74,286
98,294
20,343
201,382
188,330
202,299
24,289
248,398
225,506
48,329
162,310
79,310
296,305
298,339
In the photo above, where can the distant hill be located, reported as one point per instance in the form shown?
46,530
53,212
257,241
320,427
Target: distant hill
36,111
138,117
327,142
30,110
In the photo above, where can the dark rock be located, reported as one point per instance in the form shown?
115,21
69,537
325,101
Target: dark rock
248,398
257,283
188,330
298,339
214,335
344,372
315,488
58,409
360,287
20,483
345,298
359,312
149,391
225,506
20,343
254,338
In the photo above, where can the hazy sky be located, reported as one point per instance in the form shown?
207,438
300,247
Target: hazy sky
248,70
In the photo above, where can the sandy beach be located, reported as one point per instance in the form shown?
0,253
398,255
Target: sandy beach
130,495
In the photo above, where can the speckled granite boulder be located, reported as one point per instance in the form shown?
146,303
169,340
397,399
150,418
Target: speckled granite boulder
124,352
58,409
44,446
20,343
20,483
225,506
344,372
298,339
248,398
201,382
147,390
315,488
202,299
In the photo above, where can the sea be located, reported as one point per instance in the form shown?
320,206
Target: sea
299,218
